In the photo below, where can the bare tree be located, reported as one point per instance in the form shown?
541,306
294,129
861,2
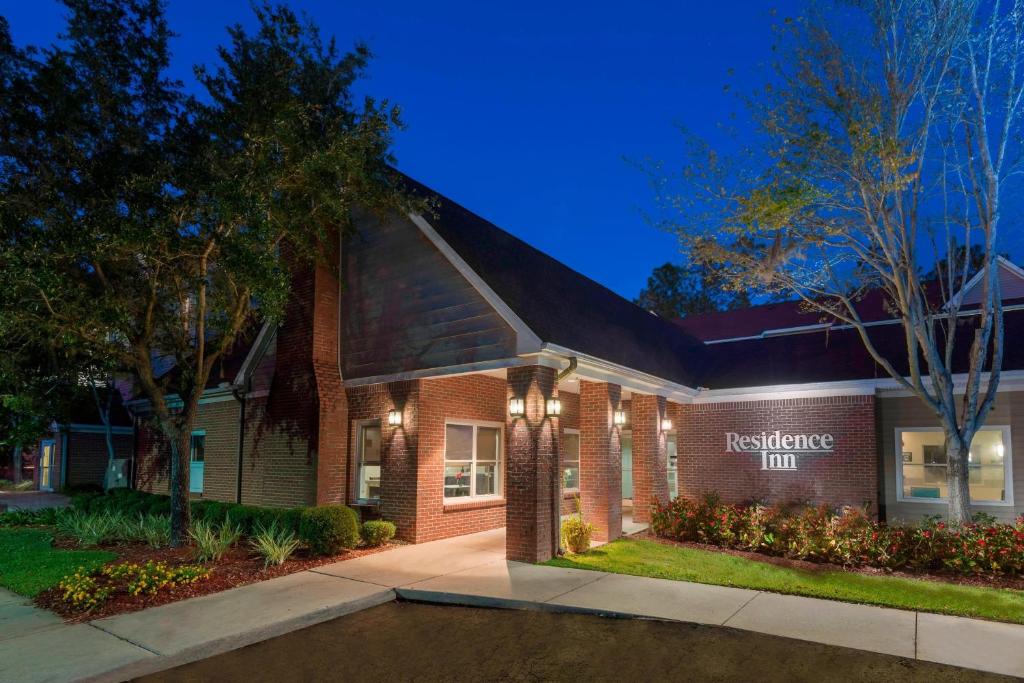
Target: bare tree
891,132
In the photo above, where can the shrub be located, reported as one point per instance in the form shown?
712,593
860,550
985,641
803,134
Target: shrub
82,592
576,531
152,577
377,532
211,544
846,536
153,530
42,516
274,544
92,529
328,529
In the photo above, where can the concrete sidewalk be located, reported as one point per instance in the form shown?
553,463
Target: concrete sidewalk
468,570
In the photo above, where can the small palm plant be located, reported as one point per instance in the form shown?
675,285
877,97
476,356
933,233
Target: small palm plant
274,544
212,544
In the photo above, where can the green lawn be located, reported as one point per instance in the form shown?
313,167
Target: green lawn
29,564
648,558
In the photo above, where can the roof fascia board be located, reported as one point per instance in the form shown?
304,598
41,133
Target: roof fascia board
526,340
82,428
448,371
215,395
590,367
974,281
259,347
1010,380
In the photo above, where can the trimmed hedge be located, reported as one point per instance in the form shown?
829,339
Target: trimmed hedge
328,529
378,532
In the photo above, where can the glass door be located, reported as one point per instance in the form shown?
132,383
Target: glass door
197,462
672,450
46,450
627,465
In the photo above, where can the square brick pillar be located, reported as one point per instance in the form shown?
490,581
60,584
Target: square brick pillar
650,475
532,471
601,459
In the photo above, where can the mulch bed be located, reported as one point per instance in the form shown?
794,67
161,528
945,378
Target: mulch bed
985,581
237,568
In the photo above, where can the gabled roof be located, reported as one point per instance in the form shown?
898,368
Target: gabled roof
559,305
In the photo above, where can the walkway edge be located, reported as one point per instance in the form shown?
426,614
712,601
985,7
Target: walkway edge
237,641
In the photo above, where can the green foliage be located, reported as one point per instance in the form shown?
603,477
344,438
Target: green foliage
212,543
92,529
846,537
7,485
674,291
152,577
329,529
576,531
29,564
377,532
275,545
40,517
662,561
81,591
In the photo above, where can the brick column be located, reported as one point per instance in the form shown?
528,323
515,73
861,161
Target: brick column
332,404
650,478
601,459
532,469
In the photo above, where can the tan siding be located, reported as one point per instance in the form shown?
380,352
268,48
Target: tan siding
405,307
908,411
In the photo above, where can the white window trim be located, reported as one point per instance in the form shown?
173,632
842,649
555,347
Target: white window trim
497,495
360,425
579,464
1007,468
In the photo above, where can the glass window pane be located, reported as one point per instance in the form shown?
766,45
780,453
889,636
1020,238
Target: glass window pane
570,449
456,479
369,482
486,479
458,443
487,443
198,453
923,459
371,445
570,476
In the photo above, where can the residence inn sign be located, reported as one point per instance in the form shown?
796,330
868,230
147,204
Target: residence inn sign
779,451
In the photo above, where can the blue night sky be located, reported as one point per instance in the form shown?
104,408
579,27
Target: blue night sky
526,112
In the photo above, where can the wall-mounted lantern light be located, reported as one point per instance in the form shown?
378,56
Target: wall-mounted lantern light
619,417
553,407
395,418
516,407
666,424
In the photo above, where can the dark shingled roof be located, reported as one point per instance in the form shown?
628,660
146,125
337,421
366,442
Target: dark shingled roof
562,306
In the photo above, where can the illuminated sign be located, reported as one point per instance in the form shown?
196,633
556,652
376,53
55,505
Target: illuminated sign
779,451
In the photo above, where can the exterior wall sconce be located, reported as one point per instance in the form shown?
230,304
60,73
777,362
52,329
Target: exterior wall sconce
395,418
553,407
666,424
619,417
516,407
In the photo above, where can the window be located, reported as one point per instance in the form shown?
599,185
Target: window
672,451
197,462
472,461
368,462
571,460
921,465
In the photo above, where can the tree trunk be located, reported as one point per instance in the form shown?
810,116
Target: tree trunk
181,446
958,473
104,413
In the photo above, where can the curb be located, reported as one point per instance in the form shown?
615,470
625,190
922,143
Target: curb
464,600
161,662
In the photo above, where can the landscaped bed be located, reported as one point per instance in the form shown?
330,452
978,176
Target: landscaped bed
111,555
685,562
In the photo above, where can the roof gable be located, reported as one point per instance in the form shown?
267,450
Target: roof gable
1011,284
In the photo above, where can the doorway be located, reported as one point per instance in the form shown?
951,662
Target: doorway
46,451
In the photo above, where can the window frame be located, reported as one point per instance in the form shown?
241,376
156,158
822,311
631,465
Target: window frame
1007,468
579,472
360,425
192,445
499,493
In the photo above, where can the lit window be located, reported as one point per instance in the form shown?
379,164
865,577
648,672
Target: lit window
472,461
921,462
672,450
571,460
368,463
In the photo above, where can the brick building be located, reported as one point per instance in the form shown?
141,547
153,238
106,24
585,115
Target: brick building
453,379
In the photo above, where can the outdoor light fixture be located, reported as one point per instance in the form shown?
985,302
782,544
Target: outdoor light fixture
666,424
553,407
516,407
619,417
395,418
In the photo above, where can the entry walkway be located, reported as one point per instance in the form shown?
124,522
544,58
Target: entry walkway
468,570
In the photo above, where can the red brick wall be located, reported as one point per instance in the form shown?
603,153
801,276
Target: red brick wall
601,459
849,476
467,397
650,477
87,457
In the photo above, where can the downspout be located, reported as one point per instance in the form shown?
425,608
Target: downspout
241,435
556,503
